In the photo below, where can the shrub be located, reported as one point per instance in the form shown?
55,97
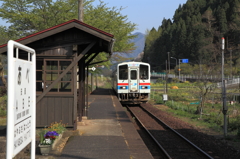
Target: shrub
3,102
175,80
238,133
59,127
160,80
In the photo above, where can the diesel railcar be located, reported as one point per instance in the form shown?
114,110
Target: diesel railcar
131,82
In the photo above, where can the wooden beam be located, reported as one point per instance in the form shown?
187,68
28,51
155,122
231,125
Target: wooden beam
81,90
66,70
75,96
61,45
90,60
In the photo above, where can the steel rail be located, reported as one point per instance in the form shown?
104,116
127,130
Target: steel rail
196,147
159,145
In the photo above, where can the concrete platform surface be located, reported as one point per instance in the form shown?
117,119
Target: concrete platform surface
107,133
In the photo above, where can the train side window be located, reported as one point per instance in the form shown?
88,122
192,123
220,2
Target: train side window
144,72
133,75
123,72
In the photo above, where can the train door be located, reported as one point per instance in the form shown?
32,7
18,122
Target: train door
133,84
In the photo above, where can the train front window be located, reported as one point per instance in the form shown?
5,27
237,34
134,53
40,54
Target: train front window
144,72
133,74
123,72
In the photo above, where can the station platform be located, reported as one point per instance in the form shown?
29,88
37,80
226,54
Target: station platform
107,133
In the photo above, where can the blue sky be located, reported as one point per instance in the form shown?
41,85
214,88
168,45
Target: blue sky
145,13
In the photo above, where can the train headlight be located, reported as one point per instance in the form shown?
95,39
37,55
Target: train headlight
143,87
123,87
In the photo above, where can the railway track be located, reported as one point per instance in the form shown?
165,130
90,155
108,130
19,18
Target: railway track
171,143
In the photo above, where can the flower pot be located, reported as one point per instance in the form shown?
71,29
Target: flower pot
45,149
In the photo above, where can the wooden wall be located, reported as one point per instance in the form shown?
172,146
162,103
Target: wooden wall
55,109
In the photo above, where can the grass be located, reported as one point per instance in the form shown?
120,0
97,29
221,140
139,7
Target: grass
193,120
183,102
3,121
3,110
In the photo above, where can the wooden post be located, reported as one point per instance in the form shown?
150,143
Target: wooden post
96,82
91,82
80,10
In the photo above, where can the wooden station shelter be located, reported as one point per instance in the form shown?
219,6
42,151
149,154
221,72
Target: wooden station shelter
62,54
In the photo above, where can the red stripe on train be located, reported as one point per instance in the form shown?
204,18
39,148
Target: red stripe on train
122,84
125,84
144,83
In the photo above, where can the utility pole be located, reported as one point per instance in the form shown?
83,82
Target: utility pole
225,108
80,10
168,63
179,69
231,63
166,79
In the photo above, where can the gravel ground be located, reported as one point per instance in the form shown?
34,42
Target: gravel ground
215,145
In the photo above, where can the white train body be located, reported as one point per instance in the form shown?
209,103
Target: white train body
131,82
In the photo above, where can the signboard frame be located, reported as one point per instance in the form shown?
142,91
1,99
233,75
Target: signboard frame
21,110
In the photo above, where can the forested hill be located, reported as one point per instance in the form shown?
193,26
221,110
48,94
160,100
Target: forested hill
195,33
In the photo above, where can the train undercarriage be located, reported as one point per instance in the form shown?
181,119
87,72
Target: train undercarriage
133,98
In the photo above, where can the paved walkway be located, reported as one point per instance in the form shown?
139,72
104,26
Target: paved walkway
107,133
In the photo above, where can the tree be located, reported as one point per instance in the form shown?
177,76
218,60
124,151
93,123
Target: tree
3,33
29,16
150,38
222,20
181,38
7,33
205,88
234,15
2,73
3,59
209,19
112,21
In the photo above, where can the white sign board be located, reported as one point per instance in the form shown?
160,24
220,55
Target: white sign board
21,116
165,97
93,68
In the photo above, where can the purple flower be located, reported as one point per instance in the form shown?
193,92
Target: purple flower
51,135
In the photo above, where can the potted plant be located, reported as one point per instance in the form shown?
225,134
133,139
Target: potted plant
46,140
50,135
